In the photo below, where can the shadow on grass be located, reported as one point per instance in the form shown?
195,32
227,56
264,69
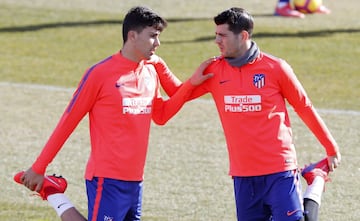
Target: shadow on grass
258,35
39,27
305,34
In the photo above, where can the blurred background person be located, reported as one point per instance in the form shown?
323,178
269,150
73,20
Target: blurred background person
285,8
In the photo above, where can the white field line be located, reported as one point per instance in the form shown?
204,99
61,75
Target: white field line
64,89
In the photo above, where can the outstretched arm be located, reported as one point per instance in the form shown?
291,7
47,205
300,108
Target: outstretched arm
168,81
164,110
82,100
295,93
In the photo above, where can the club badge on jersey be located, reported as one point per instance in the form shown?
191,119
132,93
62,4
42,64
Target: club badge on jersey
259,80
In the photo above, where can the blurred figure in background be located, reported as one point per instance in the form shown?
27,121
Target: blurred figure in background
285,8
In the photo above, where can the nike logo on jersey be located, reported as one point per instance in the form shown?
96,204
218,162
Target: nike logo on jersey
118,85
224,81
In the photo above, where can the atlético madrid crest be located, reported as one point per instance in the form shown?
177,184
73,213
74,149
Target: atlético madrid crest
259,80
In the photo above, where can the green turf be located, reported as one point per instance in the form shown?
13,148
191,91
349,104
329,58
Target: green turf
53,42
52,46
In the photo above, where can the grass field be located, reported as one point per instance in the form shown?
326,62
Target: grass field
46,46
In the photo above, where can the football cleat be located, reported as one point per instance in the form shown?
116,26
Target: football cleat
323,10
51,185
288,11
320,168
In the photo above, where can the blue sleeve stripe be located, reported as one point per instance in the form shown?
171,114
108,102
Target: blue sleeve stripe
73,100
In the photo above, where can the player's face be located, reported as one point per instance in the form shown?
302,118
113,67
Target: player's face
146,42
230,44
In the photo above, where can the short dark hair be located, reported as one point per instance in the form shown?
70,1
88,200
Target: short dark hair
139,18
238,20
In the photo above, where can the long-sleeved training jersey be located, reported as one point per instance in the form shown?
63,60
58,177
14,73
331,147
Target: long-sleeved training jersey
251,104
121,97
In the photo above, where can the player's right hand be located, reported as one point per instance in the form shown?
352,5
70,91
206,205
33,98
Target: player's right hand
32,180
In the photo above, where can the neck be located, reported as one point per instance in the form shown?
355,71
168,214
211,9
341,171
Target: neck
247,56
128,53
243,50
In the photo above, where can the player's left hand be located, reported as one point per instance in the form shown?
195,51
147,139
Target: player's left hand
199,77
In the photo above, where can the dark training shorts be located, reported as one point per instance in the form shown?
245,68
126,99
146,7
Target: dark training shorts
110,199
275,197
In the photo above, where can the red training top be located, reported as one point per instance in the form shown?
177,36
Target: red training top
121,97
251,104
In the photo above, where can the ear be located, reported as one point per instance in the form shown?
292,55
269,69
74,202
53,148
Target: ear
245,35
132,35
